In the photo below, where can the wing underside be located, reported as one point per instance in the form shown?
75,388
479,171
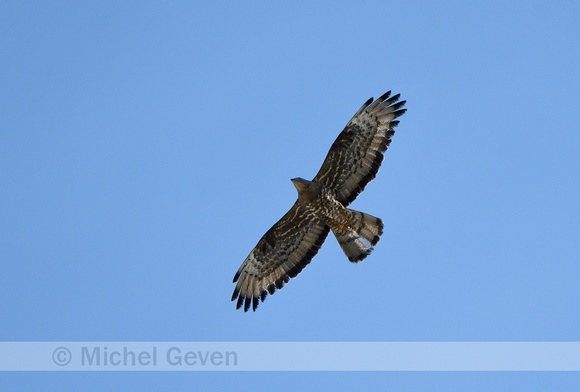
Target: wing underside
280,254
357,153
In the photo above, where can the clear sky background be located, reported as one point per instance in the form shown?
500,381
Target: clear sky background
145,147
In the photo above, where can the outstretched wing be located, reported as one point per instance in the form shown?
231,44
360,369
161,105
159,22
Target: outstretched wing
356,154
281,254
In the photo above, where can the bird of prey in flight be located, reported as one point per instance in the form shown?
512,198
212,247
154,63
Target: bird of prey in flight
352,162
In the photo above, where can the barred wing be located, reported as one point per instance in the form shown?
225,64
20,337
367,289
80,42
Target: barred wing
281,254
357,153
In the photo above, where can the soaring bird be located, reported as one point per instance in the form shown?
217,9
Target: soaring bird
351,163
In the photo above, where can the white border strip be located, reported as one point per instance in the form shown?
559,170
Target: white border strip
289,356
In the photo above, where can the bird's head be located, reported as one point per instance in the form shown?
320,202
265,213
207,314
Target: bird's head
307,190
300,183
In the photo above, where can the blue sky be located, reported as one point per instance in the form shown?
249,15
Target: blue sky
146,147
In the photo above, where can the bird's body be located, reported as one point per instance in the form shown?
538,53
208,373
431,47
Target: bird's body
289,245
346,224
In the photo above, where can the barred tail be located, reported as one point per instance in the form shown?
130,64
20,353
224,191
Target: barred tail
357,241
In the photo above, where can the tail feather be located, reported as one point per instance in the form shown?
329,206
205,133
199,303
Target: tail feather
358,239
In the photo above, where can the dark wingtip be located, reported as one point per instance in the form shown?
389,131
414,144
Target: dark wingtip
397,106
385,96
279,283
240,302
235,294
399,112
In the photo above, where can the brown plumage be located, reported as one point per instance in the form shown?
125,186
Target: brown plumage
352,162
